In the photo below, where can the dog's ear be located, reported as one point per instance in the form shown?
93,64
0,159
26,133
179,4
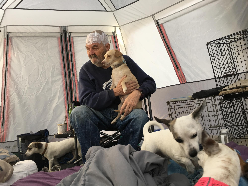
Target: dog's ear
164,121
205,136
197,112
38,145
118,53
210,146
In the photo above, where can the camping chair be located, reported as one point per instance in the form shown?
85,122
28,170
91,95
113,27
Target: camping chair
111,140
106,140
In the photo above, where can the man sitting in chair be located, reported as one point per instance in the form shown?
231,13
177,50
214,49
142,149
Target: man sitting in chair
98,102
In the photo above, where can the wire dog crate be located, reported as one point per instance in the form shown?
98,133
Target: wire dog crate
229,60
210,117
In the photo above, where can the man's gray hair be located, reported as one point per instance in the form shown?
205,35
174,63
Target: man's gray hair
97,36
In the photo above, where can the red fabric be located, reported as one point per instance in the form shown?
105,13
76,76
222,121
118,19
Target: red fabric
207,181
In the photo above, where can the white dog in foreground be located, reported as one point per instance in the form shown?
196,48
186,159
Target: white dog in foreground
180,143
219,162
54,150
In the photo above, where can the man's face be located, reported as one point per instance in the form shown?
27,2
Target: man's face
96,52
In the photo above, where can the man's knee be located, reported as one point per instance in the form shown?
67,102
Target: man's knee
80,110
140,115
80,113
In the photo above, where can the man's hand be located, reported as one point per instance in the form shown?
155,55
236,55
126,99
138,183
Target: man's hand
130,102
131,86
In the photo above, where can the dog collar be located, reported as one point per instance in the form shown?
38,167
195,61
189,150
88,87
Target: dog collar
116,66
44,150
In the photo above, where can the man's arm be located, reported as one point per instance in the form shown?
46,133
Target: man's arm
90,96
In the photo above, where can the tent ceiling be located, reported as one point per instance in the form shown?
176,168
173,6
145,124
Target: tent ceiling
2,2
140,10
85,12
122,3
57,18
61,5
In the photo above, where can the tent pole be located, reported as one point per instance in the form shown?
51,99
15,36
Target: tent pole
170,51
74,96
67,61
64,68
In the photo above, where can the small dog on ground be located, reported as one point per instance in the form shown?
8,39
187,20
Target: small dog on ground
219,163
115,59
54,150
180,143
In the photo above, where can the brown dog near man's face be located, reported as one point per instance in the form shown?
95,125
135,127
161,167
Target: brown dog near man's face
114,58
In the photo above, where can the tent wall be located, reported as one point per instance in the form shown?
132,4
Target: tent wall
199,27
35,95
144,45
31,29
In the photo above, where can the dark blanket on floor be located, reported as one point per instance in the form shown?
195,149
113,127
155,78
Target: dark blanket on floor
241,149
46,178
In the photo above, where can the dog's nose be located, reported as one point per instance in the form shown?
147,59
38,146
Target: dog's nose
192,153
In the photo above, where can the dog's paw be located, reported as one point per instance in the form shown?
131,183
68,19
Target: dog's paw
124,89
122,117
45,169
56,168
70,161
190,169
114,121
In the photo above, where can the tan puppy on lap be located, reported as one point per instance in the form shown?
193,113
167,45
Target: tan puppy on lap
115,59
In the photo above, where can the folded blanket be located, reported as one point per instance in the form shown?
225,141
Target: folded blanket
122,165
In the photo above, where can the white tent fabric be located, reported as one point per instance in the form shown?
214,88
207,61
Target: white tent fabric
199,27
122,3
35,95
61,5
35,91
153,56
142,9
